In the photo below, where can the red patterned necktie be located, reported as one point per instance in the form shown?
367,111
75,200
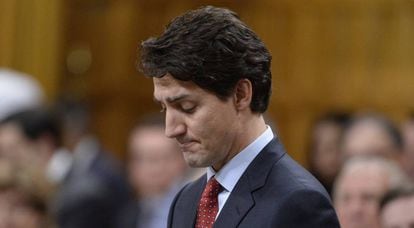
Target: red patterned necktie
208,206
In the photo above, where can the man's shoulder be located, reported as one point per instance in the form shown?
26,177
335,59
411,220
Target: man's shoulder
282,172
290,195
293,176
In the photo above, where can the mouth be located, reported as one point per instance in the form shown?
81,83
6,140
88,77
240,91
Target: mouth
186,145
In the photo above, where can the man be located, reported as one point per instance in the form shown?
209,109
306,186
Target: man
156,171
372,134
31,139
94,190
21,206
397,208
324,156
18,91
359,188
87,195
212,78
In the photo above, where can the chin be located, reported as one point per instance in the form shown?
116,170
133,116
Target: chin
195,162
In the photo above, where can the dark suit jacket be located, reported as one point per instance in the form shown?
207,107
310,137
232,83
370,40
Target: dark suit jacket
91,197
274,191
128,216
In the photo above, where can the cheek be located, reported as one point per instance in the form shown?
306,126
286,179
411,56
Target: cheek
211,130
212,126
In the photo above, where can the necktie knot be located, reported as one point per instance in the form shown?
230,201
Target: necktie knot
212,188
208,206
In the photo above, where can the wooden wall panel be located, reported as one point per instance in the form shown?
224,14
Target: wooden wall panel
327,55
31,39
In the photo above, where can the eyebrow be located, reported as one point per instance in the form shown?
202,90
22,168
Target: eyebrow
173,99
177,98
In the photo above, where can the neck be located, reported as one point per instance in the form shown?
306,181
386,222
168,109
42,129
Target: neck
249,130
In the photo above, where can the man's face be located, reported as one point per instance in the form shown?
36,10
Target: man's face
357,197
13,145
152,154
326,150
204,126
368,138
398,213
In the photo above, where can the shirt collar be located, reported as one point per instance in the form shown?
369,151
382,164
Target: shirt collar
59,165
231,172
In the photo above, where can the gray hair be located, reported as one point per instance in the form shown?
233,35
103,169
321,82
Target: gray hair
396,176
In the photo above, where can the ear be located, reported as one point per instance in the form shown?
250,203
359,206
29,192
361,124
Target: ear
243,93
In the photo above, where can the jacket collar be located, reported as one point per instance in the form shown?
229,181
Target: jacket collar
241,200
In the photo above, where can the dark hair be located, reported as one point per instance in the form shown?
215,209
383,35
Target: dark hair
35,123
74,115
397,193
211,47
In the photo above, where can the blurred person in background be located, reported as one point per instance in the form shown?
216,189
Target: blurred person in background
156,170
21,205
371,134
324,154
33,138
18,91
87,195
397,208
407,160
95,189
359,187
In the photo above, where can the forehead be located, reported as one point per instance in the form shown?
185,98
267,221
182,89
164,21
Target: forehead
10,131
168,88
369,179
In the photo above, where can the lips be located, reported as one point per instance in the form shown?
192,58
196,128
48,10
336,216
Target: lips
186,145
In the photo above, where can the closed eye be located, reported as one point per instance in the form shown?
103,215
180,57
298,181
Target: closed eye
188,110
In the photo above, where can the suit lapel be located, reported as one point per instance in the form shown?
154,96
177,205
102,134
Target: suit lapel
241,200
237,205
188,210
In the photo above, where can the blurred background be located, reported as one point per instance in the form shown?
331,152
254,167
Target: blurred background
343,82
343,55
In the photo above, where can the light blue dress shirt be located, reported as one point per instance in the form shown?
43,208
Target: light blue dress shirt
229,175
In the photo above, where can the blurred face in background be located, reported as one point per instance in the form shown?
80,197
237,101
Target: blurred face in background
325,151
8,200
14,146
408,152
357,195
368,138
15,212
23,152
155,161
398,213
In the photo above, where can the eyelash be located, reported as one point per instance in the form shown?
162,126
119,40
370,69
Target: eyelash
189,110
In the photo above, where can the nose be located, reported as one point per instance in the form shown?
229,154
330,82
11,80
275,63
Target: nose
174,125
